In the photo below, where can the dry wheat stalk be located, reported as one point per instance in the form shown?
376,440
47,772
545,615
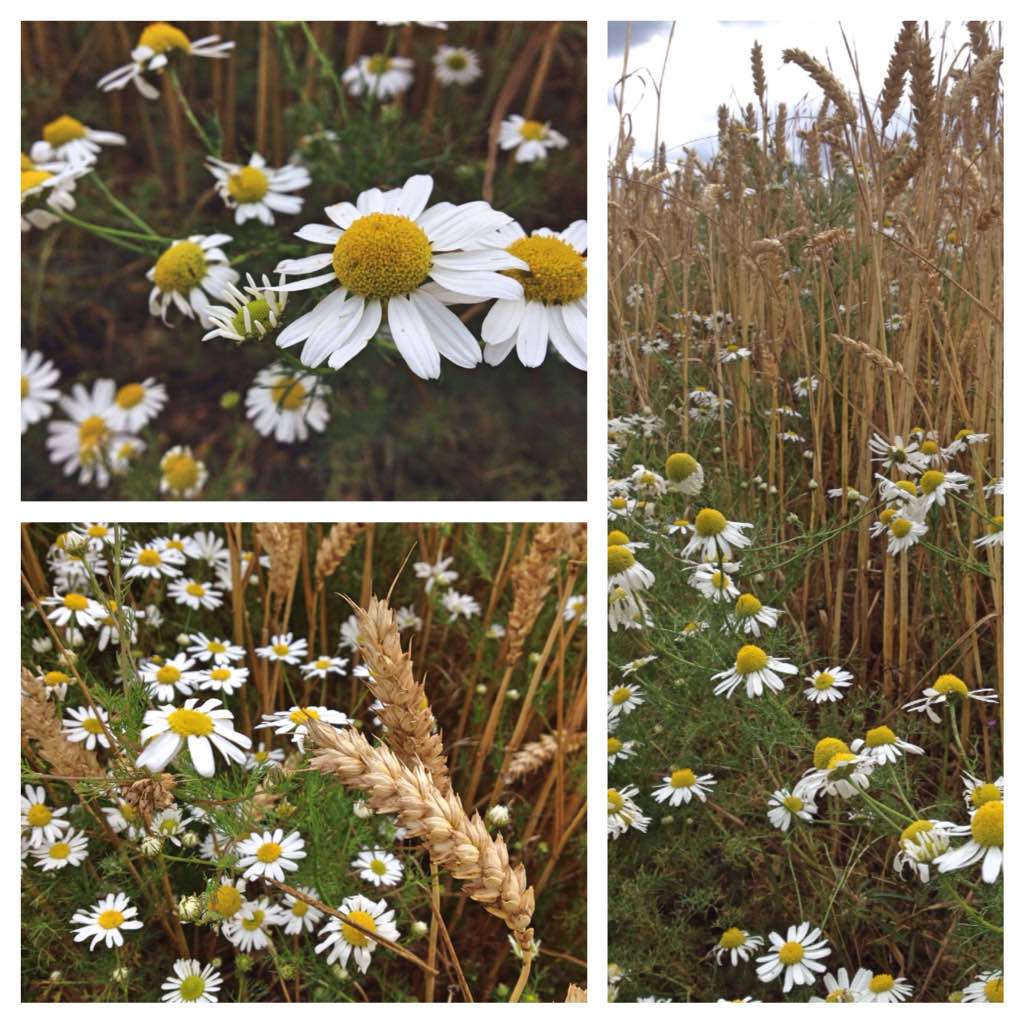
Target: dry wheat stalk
459,844
532,756
283,543
531,580
334,547
41,724
411,729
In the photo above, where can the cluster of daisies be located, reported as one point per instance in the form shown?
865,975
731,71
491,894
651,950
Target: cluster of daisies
190,715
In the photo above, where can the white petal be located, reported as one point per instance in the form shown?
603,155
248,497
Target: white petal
451,336
532,344
413,339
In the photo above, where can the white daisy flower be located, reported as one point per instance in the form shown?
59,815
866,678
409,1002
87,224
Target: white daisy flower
575,607
438,573
456,65
624,813
249,314
105,921
978,791
846,775
460,605
73,609
378,867
678,528
964,439
324,666
936,484
70,849
841,989
732,353
884,988
921,842
619,750
737,945
985,845
827,685
884,746
124,817
804,387
986,988
40,822
379,76
627,611
169,824
754,670
749,615
784,806
714,582
994,535
349,634
394,257
84,441
136,404
157,41
286,404
624,699
254,190
530,139
199,725
167,679
270,855
187,274
293,722
682,785
224,679
634,666
904,457
796,957
685,474
248,929
300,915
182,475
47,185
553,307
220,652
56,683
38,375
342,940
206,546
945,689
68,140
194,594
261,758
192,983
625,571
714,536
151,561
85,725
283,647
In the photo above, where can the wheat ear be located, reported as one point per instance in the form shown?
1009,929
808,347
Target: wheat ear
532,756
41,723
334,547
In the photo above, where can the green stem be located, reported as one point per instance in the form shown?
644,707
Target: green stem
327,71
192,119
108,234
122,208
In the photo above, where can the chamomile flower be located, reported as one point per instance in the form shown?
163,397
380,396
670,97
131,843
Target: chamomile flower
56,683
902,531
256,191
47,185
733,353
261,758
646,482
224,679
136,404
394,257
182,475
379,76
884,988
460,605
105,920
86,725
627,611
993,536
986,988
299,914
84,441
624,699
921,842
293,722
286,404
324,666
436,573
679,528
904,457
38,375
190,982
964,439
188,274
67,140
846,775
682,785
985,845
624,813
946,689
884,746
714,536
150,561
530,139
685,474
784,806
978,791
249,314
749,615
167,679
456,65
737,945
342,940
73,609
625,571
40,822
406,618
755,670
553,307
270,854
796,957
936,484
248,929
157,41
194,594
619,750
220,652
841,989
201,726
169,824
804,387
285,648
714,582
634,666
827,685
378,867
124,818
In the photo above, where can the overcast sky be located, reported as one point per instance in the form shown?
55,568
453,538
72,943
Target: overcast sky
709,64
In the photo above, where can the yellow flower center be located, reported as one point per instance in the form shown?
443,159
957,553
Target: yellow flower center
194,589
907,487
216,647
253,923
33,178
281,649
161,37
680,522
881,983
248,185
621,694
259,313
887,515
880,737
60,851
985,793
300,715
268,853
63,129
557,274
188,722
288,393
110,919
839,760
824,681
825,749
994,990
750,658
354,937
533,130
168,674
76,602
378,64
180,268
932,481
130,395
226,901
732,938
382,255
996,525
299,908
793,804
791,953
987,824
930,447
323,662
620,558
950,684
614,744
220,675
839,995
684,778
915,828
191,988
39,815
25,386
709,522
618,502
616,801
54,678
180,470
378,867
456,61
93,725
260,756
747,605
617,538
899,528
149,557
92,431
